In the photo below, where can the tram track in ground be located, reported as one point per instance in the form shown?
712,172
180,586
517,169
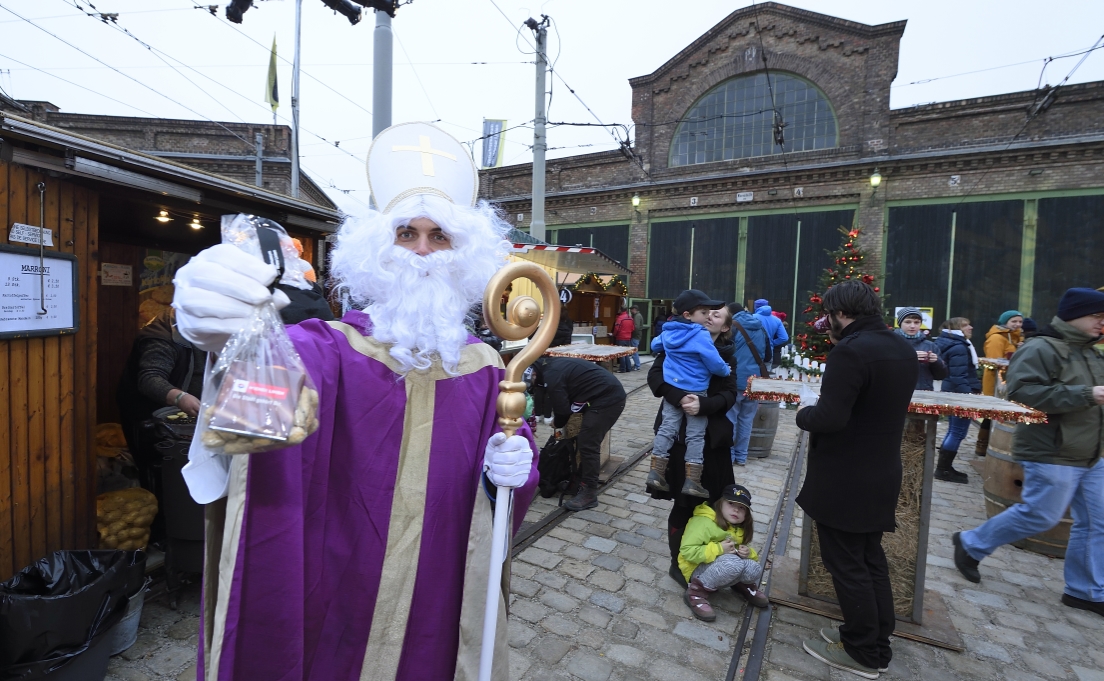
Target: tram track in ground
778,534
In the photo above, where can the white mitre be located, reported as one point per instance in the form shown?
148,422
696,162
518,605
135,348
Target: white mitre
417,158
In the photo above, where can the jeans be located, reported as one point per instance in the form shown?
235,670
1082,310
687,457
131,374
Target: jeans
742,416
956,433
726,570
860,575
624,363
669,430
636,355
1048,489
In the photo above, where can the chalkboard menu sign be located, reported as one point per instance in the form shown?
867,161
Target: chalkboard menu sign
29,285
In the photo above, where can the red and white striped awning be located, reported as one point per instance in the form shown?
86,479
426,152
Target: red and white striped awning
570,259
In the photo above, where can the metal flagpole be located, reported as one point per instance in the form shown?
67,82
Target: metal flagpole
295,102
382,54
540,137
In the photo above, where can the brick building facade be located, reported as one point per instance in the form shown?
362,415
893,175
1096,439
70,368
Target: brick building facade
976,212
226,149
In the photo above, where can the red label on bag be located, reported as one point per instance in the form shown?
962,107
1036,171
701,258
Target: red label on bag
259,389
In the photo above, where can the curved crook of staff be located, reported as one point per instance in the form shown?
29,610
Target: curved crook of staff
523,315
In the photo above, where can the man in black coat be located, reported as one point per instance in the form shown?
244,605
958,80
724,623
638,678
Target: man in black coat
854,472
576,385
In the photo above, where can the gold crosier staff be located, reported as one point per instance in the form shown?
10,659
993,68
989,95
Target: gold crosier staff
522,316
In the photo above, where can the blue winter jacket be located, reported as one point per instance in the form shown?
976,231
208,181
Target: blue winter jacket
691,355
928,370
773,326
745,361
961,371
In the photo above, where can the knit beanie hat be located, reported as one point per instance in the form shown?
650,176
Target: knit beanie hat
908,312
1030,325
1080,302
1008,314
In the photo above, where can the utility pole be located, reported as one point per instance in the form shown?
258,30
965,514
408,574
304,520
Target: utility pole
540,139
295,103
259,141
381,73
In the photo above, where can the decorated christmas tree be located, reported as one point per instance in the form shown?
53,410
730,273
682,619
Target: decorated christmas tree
848,262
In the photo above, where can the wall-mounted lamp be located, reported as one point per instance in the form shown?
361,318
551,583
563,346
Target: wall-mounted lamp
196,224
1035,171
163,217
875,181
636,200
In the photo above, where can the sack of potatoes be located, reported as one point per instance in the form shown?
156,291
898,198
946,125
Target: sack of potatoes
123,518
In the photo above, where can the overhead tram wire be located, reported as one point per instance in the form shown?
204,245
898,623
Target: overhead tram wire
150,88
95,92
1037,108
925,81
159,52
416,76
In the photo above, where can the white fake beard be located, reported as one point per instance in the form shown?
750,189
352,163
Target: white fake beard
420,309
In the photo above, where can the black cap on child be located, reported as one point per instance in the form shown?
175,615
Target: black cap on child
737,494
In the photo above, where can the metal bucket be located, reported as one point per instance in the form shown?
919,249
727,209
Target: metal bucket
1003,485
125,633
763,429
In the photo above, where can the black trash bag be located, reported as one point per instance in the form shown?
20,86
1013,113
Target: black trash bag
61,606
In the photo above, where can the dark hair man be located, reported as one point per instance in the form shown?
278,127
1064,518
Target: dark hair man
855,432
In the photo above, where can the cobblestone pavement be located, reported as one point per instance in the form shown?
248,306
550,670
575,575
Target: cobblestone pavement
592,599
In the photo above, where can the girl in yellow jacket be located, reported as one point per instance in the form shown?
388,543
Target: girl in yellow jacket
714,552
1003,339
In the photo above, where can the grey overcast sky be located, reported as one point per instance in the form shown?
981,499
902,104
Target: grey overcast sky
597,44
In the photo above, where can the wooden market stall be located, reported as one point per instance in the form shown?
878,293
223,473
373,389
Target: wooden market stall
99,205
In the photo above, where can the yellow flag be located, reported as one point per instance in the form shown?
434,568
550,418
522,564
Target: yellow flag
272,90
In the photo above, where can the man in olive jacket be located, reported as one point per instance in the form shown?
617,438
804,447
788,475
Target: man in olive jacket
1059,372
854,472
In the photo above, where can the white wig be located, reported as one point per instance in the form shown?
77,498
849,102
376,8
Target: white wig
417,303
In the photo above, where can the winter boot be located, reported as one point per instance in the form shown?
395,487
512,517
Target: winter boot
692,485
982,445
697,597
944,471
676,574
656,481
751,594
587,497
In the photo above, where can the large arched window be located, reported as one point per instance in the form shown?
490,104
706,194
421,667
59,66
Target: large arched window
735,120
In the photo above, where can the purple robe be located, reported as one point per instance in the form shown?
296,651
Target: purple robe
363,552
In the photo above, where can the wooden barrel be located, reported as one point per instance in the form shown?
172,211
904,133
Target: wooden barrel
763,429
1003,485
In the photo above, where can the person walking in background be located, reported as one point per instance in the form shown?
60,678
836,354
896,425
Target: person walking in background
1001,341
638,329
854,472
962,363
775,331
932,367
752,347
1058,372
622,335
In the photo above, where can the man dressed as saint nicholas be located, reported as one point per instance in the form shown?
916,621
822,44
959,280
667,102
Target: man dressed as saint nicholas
363,553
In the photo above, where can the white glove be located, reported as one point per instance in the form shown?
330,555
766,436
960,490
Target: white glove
218,291
507,461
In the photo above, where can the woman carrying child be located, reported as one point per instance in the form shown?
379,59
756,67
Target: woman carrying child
716,554
691,360
716,464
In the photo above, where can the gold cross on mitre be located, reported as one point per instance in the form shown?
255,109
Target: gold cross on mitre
428,152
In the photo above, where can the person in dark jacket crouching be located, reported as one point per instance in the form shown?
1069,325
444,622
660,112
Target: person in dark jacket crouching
1061,373
855,444
716,465
962,366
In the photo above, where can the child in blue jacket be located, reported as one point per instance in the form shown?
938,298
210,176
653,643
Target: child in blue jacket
691,359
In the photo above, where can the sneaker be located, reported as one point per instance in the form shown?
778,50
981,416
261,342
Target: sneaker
697,597
587,497
834,655
1082,604
831,635
751,594
962,560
